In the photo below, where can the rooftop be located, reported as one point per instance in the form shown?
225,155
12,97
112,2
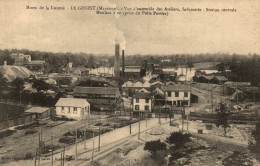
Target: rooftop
178,87
37,110
72,102
142,95
96,90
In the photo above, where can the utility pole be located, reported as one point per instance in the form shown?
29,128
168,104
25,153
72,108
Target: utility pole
93,146
160,115
63,156
182,116
35,159
39,162
212,100
139,127
99,132
146,120
76,140
85,147
51,150
187,122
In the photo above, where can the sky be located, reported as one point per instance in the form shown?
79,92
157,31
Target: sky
84,31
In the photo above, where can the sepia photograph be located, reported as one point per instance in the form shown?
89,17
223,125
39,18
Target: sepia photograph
129,83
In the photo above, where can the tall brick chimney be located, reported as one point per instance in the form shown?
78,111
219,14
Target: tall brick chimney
116,62
123,62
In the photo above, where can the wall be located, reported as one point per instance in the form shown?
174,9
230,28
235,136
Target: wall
81,112
181,97
24,119
142,105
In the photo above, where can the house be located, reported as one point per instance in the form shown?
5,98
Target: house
40,112
133,72
20,59
98,95
142,102
156,84
177,95
166,75
219,80
159,97
131,87
81,72
72,108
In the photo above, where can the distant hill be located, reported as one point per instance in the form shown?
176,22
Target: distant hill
12,72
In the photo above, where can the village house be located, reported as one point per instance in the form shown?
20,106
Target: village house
167,75
131,87
142,102
98,95
81,72
177,95
72,108
132,72
40,112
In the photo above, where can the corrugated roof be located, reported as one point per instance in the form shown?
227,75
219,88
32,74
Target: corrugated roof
37,109
177,88
96,90
132,70
221,78
142,95
71,102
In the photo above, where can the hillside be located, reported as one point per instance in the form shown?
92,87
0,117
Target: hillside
12,72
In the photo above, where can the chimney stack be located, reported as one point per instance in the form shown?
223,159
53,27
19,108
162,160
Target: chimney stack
123,62
116,62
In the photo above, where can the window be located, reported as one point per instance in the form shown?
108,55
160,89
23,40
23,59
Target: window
69,110
174,102
75,110
137,107
169,94
146,108
146,100
62,109
185,94
185,102
176,94
137,100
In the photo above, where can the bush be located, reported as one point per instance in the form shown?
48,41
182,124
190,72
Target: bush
67,140
178,139
30,132
28,156
6,133
154,146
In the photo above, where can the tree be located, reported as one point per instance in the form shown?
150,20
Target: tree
91,62
17,88
222,117
178,139
3,84
40,85
154,146
255,146
221,66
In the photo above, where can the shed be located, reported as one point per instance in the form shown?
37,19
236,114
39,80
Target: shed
40,112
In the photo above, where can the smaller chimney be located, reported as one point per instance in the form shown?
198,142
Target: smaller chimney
123,63
5,63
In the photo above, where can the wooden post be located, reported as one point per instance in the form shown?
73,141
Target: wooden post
76,140
63,158
99,138
35,160
85,147
139,127
51,150
93,146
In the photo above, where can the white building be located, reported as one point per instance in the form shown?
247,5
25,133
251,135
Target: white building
178,95
73,108
142,102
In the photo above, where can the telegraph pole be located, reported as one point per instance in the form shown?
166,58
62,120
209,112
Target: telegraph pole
93,146
51,150
212,100
35,160
85,147
139,127
76,140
